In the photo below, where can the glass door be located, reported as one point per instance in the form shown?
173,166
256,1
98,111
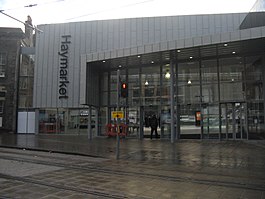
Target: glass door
133,122
233,121
148,113
210,121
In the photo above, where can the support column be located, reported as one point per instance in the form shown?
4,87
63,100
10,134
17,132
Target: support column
89,129
177,104
118,119
141,129
263,85
141,134
172,102
97,133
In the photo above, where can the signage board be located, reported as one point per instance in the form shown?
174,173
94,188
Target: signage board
117,114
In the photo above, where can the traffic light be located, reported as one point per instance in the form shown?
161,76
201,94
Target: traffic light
124,90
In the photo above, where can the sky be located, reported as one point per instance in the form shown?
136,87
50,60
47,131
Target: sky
64,11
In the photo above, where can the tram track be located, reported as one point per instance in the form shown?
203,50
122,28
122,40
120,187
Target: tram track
64,187
94,168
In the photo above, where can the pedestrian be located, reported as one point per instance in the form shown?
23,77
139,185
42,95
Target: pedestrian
153,124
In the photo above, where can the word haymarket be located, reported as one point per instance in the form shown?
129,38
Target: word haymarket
63,73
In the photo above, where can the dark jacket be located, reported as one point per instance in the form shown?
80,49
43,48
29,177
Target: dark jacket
153,122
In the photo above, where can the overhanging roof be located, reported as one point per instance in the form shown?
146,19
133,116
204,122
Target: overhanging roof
239,35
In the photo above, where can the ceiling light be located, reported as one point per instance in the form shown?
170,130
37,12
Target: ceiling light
146,83
191,57
167,75
138,56
103,61
189,82
152,62
178,51
233,52
225,44
119,66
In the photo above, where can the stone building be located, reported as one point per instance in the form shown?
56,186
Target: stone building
10,43
16,74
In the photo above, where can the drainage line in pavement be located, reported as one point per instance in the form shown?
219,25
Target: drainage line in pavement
90,192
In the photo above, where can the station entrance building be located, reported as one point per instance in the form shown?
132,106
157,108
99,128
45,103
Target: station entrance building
201,75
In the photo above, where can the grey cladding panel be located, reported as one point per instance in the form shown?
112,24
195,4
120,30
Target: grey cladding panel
105,36
230,20
217,21
157,23
193,22
55,69
45,67
163,29
139,33
133,25
157,35
145,24
83,37
122,25
88,36
127,33
133,39
37,71
113,35
224,24
122,40
181,22
205,22
99,36
51,55
151,30
76,65
116,35
94,36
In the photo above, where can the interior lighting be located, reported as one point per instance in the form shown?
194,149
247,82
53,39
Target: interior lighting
103,61
146,82
178,51
233,52
152,62
189,82
120,66
191,57
225,44
138,56
167,75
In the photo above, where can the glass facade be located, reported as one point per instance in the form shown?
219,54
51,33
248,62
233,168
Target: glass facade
218,90
218,93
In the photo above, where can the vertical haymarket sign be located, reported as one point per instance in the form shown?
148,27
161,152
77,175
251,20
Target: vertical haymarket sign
63,66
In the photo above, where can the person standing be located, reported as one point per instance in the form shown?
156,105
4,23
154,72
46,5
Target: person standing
153,124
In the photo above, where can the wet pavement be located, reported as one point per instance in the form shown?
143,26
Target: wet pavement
223,169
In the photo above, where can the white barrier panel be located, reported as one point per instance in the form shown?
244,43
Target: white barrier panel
26,122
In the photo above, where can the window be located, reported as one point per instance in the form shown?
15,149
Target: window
1,106
3,62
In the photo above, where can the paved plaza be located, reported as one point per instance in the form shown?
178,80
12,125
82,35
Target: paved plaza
187,169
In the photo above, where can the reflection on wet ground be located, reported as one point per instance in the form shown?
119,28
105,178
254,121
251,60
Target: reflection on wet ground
243,155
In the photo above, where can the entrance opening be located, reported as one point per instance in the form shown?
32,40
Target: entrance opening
148,113
233,121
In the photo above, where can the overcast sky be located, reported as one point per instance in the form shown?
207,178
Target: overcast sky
63,11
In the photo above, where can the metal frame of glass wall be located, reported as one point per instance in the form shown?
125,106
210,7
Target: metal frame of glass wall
218,93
